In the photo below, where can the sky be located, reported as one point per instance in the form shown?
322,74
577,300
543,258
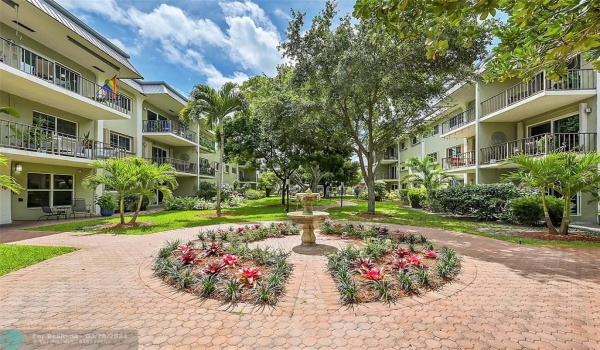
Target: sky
189,42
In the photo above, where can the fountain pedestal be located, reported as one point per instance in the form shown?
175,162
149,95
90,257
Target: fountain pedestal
307,218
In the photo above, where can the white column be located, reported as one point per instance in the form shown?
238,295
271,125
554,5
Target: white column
138,113
597,115
198,156
477,130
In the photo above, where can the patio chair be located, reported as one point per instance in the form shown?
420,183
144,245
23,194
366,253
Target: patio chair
49,212
79,207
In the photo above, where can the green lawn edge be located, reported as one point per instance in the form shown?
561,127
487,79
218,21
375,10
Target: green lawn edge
271,209
14,257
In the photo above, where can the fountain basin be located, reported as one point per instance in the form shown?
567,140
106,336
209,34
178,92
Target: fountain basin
308,222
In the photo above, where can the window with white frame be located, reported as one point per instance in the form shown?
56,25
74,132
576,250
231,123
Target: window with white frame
121,141
227,168
49,190
454,152
403,145
394,187
433,156
436,129
415,140
575,202
59,125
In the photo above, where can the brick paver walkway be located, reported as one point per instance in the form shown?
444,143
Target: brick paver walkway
509,296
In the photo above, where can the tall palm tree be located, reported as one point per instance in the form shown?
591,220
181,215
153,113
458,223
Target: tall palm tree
566,173
152,177
214,106
426,173
120,174
10,111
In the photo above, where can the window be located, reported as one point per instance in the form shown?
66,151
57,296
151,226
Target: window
403,186
155,116
454,152
121,141
61,126
436,129
233,170
227,168
216,166
433,156
415,140
403,145
394,187
49,190
575,201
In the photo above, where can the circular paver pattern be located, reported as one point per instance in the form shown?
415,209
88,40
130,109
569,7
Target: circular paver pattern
508,296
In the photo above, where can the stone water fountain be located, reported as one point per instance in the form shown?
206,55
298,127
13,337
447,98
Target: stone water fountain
309,219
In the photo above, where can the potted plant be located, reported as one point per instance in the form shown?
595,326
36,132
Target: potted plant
87,144
107,204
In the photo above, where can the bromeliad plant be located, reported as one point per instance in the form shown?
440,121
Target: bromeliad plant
391,264
227,270
249,233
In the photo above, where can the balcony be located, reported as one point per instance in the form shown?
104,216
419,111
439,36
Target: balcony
460,161
51,83
168,132
387,176
539,95
454,125
181,166
22,142
389,158
205,169
540,145
243,178
206,143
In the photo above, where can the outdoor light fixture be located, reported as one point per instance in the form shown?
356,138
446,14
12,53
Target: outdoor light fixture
588,110
18,167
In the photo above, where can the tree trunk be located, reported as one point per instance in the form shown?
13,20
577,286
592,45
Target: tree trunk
137,210
370,181
220,176
283,192
122,209
566,219
549,224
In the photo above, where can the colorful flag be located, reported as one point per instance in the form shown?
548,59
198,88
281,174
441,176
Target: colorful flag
110,85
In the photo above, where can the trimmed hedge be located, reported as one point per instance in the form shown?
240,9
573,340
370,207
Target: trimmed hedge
485,201
528,210
417,197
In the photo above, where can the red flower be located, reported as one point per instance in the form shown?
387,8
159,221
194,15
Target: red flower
400,264
401,252
363,264
250,275
372,274
240,229
430,253
414,259
230,259
213,269
188,254
256,226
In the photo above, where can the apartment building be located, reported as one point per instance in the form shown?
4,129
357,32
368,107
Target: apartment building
52,70
479,125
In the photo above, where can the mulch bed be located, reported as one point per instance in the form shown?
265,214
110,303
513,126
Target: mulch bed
553,237
372,216
124,226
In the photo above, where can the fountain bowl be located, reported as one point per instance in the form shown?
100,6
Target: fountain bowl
308,222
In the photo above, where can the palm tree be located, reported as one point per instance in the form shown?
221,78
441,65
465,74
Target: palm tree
566,173
120,174
426,173
215,106
7,181
152,177
10,111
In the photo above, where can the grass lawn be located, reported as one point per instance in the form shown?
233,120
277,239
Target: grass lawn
14,257
271,209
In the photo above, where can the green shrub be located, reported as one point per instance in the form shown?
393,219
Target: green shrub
403,196
392,196
254,194
416,197
131,201
528,210
364,195
203,204
485,201
380,190
107,201
180,203
206,190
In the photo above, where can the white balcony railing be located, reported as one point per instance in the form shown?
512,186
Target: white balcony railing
168,126
57,74
459,120
462,160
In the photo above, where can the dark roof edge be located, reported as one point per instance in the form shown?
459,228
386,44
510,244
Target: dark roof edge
160,82
97,35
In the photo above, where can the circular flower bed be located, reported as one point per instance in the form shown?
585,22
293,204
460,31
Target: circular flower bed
219,265
391,265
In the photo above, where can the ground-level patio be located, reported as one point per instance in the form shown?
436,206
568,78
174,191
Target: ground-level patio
508,296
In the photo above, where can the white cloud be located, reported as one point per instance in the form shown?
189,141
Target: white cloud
131,50
250,39
282,14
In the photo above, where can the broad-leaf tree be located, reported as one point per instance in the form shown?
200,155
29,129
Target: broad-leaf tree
566,173
213,106
427,173
538,35
152,177
372,87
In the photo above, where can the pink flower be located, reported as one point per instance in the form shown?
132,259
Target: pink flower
430,253
414,260
230,259
372,274
250,275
